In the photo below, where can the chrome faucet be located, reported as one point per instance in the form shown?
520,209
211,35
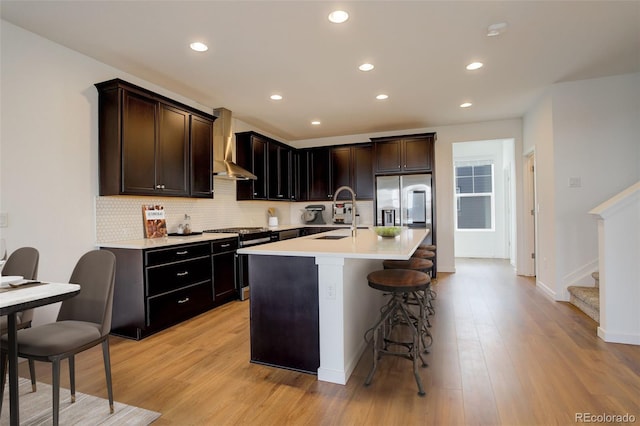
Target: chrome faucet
353,201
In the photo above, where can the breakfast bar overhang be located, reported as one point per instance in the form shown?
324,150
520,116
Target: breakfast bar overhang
284,274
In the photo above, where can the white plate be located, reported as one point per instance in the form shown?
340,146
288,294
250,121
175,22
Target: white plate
10,279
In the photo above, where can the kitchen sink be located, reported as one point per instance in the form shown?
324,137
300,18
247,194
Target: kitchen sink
331,237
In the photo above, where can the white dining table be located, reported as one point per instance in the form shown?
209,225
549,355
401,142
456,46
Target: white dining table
14,300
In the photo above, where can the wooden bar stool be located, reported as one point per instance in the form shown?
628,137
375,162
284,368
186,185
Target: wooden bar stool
424,254
415,264
397,314
430,247
431,255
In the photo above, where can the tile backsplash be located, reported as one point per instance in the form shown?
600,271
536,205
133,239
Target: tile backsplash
120,217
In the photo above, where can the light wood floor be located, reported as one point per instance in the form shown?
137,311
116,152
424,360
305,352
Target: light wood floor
503,354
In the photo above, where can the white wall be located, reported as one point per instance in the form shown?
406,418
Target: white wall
49,158
49,155
588,130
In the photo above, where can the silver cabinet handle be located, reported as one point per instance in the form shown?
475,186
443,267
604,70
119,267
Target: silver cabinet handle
224,245
185,300
182,274
159,186
182,252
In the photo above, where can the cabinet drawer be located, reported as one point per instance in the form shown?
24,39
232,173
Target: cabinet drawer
175,254
161,279
230,244
178,305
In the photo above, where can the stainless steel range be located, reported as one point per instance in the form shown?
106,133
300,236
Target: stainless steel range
247,236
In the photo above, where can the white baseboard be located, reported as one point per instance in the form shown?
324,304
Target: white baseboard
629,339
546,290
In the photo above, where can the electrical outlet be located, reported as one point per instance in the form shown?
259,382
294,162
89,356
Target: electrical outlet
4,219
331,291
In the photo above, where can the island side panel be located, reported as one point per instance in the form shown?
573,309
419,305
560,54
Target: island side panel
284,312
348,307
361,308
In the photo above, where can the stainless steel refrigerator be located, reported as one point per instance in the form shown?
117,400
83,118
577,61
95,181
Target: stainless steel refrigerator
405,200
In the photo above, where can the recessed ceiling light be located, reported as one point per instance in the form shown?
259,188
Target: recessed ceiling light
338,16
276,97
199,47
382,96
315,122
366,67
496,29
474,66
465,105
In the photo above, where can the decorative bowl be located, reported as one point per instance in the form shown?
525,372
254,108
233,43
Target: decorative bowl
387,231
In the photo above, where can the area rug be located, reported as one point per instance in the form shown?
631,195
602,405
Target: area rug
36,409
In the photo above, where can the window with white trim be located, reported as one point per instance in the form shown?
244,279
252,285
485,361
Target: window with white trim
474,195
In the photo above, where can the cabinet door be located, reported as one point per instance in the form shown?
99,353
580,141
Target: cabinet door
224,277
362,160
417,154
320,174
201,157
278,184
244,159
301,178
341,171
172,155
138,144
294,176
387,156
259,154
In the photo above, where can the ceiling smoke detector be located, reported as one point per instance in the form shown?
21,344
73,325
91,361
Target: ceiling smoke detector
496,29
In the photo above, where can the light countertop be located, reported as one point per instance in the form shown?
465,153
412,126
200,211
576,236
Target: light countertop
148,243
366,245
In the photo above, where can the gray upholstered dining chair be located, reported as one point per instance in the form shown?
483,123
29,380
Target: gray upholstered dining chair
22,262
83,322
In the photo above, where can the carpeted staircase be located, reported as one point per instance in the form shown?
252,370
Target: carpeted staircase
587,299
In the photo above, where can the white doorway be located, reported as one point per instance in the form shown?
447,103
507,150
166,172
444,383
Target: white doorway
484,199
530,209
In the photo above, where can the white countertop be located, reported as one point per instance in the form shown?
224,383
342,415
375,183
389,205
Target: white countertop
366,245
146,243
30,293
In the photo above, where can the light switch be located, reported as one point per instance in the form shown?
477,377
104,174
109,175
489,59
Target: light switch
4,219
575,182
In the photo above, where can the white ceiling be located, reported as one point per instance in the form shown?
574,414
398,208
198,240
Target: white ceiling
419,48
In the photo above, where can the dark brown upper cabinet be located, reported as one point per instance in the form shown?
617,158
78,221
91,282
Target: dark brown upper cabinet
251,154
201,157
325,169
319,174
362,171
280,172
272,162
152,145
400,154
352,166
341,160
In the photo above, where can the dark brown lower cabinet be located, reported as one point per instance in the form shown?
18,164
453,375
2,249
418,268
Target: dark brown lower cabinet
284,312
223,260
157,288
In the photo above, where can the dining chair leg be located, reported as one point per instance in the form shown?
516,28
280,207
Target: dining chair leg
107,371
55,371
32,373
4,358
72,378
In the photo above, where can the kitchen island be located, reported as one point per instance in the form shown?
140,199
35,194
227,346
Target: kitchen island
310,301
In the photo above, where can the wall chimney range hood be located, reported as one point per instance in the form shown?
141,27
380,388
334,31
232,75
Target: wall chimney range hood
222,148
